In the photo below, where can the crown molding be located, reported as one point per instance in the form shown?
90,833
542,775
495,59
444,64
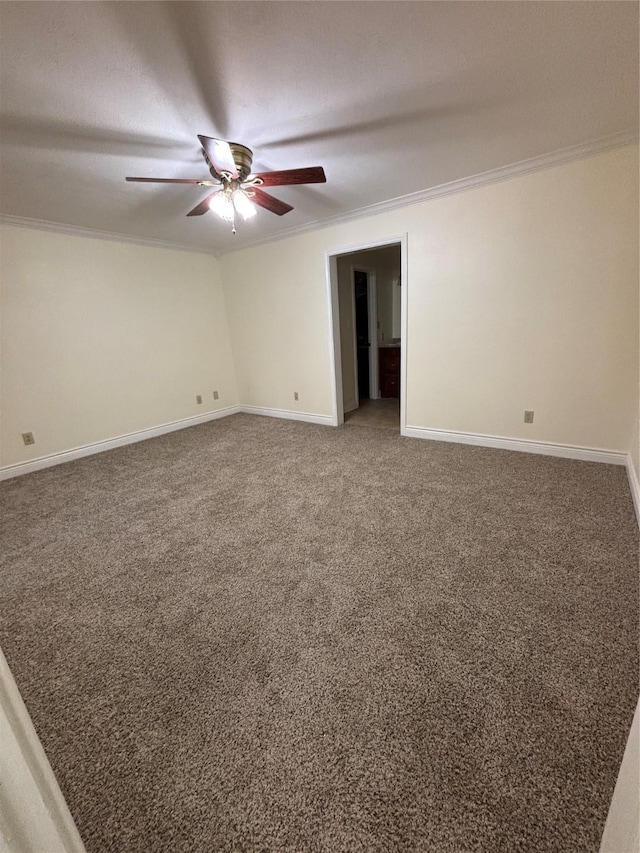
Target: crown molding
81,231
493,176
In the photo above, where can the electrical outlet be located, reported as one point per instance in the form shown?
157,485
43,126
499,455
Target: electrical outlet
528,417
198,398
28,438
295,395
215,395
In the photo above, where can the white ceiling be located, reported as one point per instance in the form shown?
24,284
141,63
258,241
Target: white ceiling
390,97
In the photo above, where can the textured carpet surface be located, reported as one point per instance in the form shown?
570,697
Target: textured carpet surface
260,635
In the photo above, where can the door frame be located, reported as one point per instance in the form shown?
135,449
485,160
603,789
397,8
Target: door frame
335,353
372,318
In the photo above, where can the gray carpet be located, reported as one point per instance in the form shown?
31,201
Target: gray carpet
260,635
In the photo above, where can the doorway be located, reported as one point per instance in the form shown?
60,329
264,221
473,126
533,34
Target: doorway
364,290
363,344
368,333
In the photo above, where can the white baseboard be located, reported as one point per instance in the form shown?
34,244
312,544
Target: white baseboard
35,815
634,485
49,461
288,414
586,454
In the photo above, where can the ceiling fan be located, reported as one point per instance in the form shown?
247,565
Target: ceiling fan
237,190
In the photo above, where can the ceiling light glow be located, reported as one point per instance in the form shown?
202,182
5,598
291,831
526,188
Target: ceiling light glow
243,204
222,205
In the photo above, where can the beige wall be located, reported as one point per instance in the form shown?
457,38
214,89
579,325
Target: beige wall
277,307
387,266
396,305
531,302
385,263
521,295
635,443
100,339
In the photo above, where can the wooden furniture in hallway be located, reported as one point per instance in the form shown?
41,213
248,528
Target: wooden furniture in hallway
389,361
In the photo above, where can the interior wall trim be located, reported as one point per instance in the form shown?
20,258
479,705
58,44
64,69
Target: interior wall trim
492,176
333,308
288,414
634,485
568,451
35,815
31,465
81,231
587,454
622,827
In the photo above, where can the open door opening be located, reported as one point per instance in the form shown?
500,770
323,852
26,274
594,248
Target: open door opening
367,303
363,344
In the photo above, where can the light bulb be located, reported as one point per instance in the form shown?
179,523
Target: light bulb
222,205
243,204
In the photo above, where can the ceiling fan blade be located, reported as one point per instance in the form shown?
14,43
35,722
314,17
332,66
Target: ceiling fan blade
173,181
269,202
312,175
220,154
203,207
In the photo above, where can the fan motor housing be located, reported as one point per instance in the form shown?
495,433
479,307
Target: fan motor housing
242,157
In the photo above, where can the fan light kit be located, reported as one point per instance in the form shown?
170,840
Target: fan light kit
237,190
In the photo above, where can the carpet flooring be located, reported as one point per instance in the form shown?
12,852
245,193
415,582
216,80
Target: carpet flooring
261,635
382,414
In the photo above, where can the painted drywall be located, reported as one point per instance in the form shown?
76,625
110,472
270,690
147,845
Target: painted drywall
531,298
101,339
279,322
396,305
385,263
521,295
634,444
